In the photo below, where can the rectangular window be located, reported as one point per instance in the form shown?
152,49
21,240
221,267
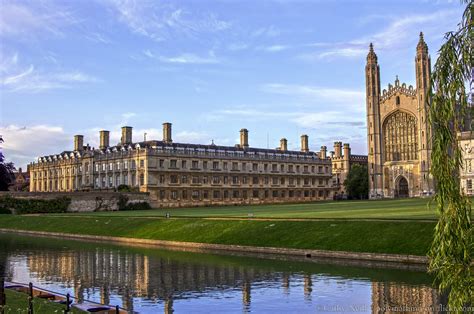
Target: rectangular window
216,180
255,167
255,180
162,179
469,184
195,164
290,168
244,166
195,195
174,179
125,180
162,163
274,167
173,163
216,194
111,166
183,164
215,165
255,193
204,165
305,169
225,180
320,169
265,167
195,180
184,179
225,165
142,163
205,179
235,180
235,166
174,195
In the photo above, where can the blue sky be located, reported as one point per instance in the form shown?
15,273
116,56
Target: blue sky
279,68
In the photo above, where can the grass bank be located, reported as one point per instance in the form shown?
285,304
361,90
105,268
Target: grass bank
410,208
17,302
394,237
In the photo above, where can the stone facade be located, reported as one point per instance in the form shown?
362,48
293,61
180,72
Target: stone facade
466,142
177,174
342,160
399,145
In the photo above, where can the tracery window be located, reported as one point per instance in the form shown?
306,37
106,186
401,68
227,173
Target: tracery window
400,137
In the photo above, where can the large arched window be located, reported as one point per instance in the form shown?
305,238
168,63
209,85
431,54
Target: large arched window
400,137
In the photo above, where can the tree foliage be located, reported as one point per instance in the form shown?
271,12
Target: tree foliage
6,171
357,182
452,247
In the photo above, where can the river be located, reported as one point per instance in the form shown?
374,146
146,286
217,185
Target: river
150,280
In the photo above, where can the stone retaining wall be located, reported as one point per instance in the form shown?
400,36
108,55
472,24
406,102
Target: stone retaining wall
84,201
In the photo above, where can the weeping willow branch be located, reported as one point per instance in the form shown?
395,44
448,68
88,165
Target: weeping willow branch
452,248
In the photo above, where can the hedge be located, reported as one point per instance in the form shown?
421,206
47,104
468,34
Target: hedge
34,206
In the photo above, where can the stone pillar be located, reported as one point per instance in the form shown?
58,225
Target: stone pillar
304,143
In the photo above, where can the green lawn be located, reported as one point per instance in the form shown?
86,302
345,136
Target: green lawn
414,208
17,302
397,237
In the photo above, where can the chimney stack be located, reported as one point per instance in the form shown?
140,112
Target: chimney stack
167,133
304,143
78,143
323,152
104,139
337,149
244,138
126,135
283,144
347,156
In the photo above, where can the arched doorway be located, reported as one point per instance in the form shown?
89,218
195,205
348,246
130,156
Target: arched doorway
402,188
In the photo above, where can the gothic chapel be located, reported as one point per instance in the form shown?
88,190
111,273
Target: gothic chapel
398,139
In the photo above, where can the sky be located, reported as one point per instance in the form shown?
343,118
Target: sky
279,68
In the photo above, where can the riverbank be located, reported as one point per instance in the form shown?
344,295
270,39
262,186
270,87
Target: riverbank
404,238
17,302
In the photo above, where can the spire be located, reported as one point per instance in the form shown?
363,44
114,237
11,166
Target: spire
422,47
371,56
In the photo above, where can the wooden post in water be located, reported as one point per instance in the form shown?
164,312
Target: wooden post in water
30,298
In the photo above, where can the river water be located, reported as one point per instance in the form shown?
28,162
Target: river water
148,280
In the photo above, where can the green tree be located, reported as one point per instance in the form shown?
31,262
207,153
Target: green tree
6,171
357,182
451,251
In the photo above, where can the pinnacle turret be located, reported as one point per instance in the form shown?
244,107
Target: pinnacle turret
371,56
422,47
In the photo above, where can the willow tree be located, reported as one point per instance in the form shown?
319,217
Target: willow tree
452,248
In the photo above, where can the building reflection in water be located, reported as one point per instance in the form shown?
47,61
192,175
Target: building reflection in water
164,280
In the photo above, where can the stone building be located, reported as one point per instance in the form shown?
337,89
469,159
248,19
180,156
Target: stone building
399,148
466,142
177,174
342,160
21,180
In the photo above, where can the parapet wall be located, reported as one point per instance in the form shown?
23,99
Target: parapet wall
85,201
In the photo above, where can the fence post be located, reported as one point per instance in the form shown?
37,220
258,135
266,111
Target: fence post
30,298
3,298
68,308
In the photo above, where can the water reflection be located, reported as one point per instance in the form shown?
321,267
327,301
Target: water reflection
151,281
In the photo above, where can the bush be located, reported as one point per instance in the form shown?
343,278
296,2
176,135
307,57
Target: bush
35,206
124,205
124,188
4,211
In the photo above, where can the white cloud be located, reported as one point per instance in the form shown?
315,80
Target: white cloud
319,94
23,144
19,78
398,32
275,48
185,58
159,21
22,20
268,31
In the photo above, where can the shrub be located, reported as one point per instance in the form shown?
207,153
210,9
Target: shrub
4,211
124,205
35,206
124,188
